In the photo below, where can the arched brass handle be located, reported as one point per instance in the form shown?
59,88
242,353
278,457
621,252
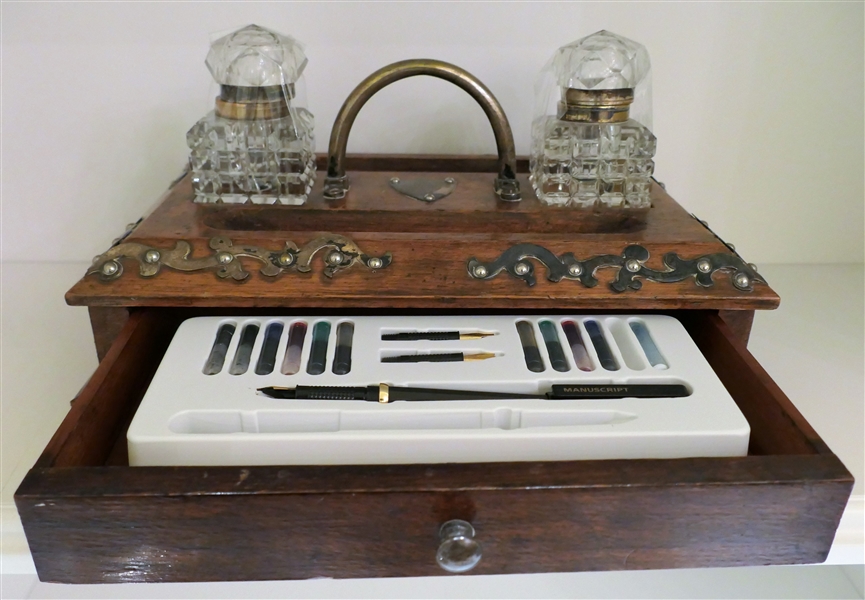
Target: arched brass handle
506,184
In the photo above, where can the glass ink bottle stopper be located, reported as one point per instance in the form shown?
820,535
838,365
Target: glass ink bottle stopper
257,145
588,149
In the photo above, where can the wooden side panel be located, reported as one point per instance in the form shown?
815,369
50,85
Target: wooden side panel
777,427
107,322
739,322
260,531
112,394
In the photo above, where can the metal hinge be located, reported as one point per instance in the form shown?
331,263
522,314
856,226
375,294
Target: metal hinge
129,229
720,239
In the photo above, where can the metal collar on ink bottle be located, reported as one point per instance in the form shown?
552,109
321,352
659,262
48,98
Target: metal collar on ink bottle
595,106
242,103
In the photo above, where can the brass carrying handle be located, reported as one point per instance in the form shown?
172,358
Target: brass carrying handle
506,185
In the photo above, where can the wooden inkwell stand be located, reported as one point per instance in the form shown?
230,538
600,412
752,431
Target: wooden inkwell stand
89,517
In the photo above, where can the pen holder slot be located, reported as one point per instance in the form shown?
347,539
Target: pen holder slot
293,353
316,363
246,346
328,421
269,348
219,350
342,350
627,344
647,343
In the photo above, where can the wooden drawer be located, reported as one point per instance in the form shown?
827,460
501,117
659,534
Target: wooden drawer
89,517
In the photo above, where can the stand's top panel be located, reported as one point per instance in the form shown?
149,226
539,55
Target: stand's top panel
379,248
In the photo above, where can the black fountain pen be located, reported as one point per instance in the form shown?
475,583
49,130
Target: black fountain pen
436,336
384,393
446,357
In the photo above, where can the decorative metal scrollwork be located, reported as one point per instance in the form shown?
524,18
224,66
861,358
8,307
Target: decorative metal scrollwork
631,265
224,260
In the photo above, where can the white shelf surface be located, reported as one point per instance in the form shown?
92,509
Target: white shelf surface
819,327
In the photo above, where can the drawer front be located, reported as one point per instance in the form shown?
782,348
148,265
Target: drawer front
271,523
90,518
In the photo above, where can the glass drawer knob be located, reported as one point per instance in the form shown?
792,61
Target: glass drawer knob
458,551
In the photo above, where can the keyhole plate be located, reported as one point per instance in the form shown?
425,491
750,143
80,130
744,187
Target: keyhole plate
424,189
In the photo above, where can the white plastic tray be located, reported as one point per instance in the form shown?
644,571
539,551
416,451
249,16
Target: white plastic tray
189,418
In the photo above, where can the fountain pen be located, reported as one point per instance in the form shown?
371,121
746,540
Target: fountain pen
445,357
384,393
413,336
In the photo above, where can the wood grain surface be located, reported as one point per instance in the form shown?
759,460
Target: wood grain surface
284,523
430,243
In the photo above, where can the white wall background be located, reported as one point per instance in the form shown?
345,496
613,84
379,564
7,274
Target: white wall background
758,107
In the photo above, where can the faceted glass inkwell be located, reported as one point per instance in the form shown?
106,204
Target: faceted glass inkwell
257,146
586,150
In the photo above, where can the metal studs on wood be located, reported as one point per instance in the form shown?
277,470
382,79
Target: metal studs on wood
335,258
342,254
374,263
631,265
110,268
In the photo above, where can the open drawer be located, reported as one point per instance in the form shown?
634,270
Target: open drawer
89,517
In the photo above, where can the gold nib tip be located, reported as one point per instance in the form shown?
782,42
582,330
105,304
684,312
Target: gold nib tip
479,356
476,336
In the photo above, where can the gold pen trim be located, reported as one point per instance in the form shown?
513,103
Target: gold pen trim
383,393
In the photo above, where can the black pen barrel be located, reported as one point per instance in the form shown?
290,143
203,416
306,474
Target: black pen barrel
428,394
413,336
335,392
372,393
418,358
611,391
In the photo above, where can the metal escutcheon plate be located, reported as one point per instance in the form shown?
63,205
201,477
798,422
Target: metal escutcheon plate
423,188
